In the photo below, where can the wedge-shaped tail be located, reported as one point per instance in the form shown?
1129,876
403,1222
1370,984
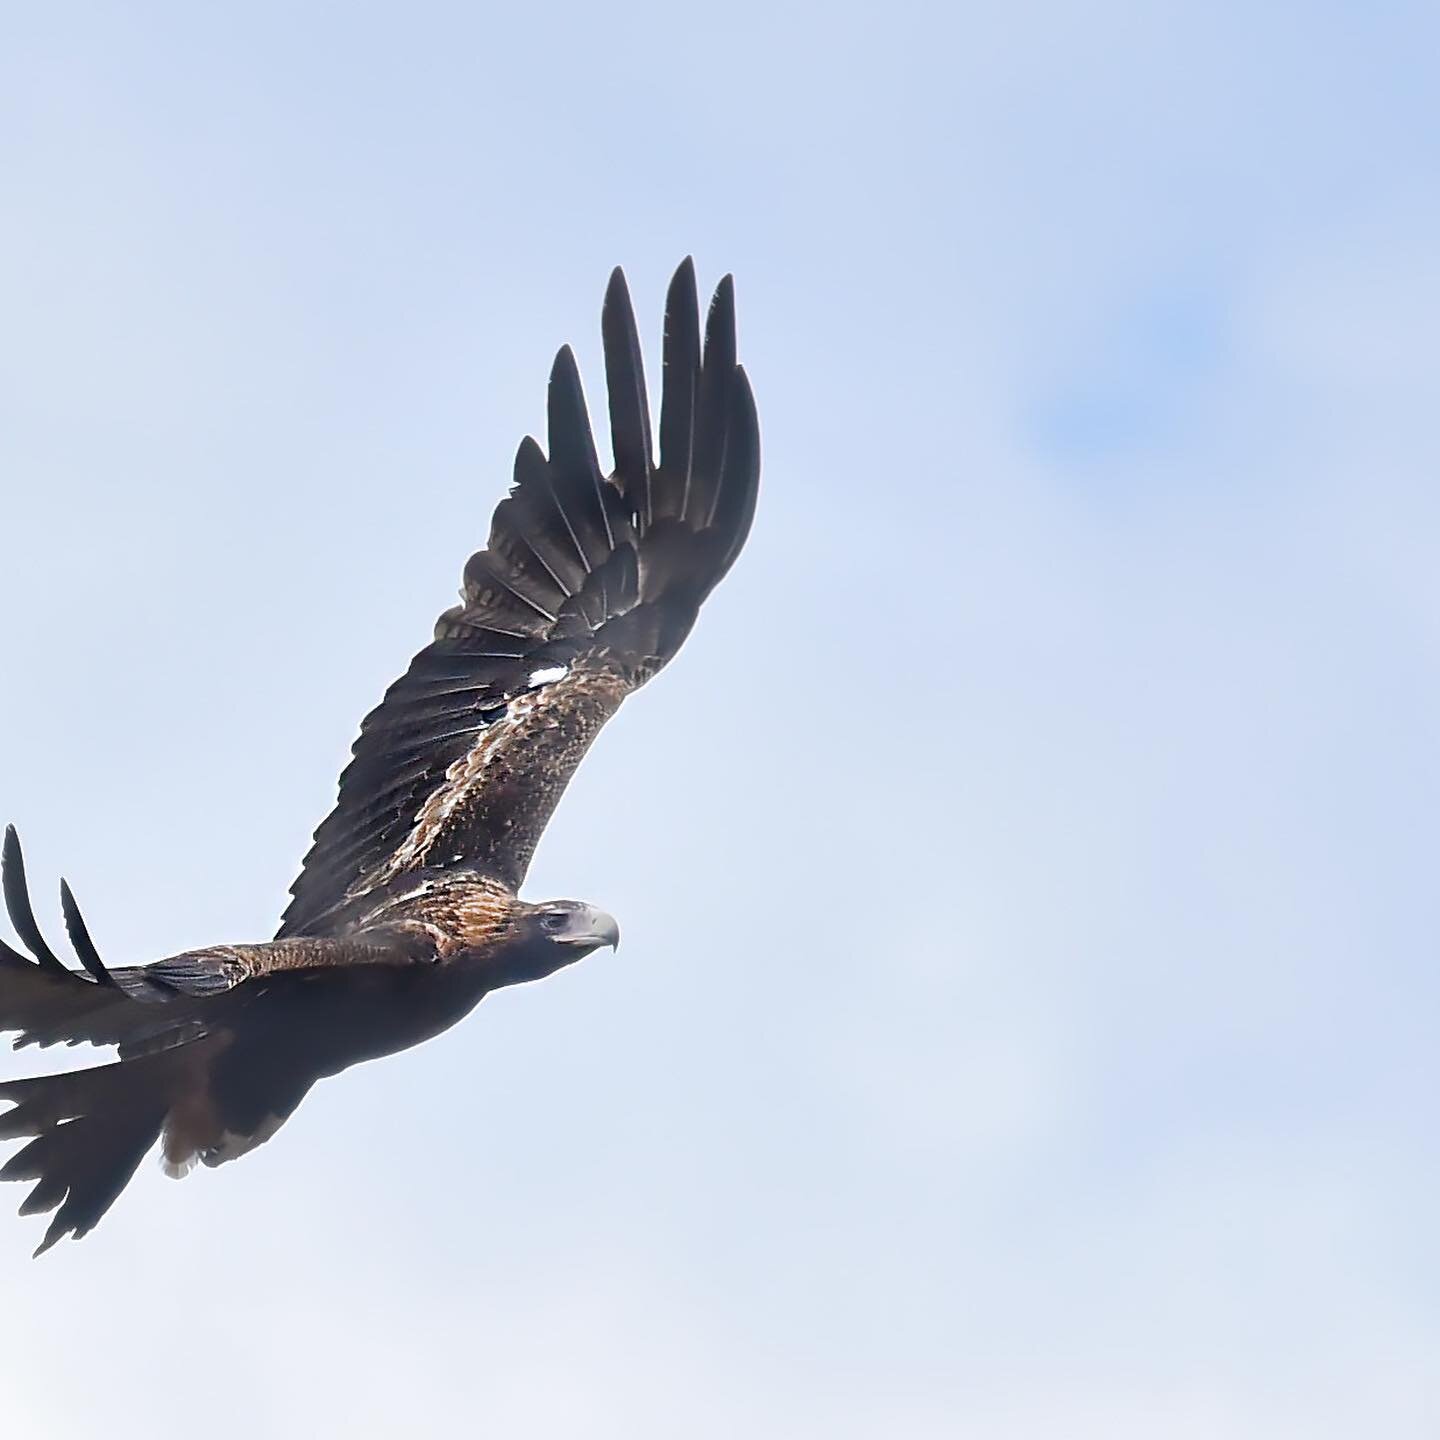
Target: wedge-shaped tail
92,1128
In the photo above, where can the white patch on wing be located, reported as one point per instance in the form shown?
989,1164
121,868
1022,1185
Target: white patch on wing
462,774
528,717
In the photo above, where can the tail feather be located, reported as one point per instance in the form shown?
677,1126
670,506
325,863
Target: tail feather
91,1129
88,1130
82,1166
42,1101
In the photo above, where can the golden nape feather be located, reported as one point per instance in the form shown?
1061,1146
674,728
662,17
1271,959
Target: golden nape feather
406,912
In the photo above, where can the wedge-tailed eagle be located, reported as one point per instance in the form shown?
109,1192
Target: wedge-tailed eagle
406,912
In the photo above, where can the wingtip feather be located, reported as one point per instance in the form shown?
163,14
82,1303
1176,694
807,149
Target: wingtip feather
617,289
720,340
79,933
564,367
740,481
630,440
572,446
678,395
17,903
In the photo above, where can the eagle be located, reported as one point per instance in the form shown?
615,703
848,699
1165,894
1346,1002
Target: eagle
406,912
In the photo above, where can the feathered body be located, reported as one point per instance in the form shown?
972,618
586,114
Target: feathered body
406,912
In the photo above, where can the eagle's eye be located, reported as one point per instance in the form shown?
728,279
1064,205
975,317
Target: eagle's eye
554,920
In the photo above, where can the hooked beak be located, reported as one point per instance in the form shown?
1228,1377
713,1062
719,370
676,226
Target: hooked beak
595,928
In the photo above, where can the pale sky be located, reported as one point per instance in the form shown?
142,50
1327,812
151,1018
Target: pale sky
1024,1026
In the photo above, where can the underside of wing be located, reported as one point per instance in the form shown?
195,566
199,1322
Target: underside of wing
589,584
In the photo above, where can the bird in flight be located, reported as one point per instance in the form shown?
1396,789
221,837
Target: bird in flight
407,913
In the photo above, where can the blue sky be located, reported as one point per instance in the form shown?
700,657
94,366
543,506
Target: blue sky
1024,1024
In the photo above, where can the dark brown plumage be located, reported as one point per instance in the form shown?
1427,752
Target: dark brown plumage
406,911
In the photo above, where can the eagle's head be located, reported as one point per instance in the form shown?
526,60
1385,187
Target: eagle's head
545,937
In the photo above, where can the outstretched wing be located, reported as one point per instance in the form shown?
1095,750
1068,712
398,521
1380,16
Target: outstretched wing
47,1002
588,586
158,1006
